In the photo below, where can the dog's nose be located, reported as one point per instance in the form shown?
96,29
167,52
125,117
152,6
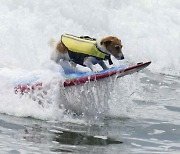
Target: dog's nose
122,57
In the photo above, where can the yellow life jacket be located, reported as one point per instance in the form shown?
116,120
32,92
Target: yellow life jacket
81,47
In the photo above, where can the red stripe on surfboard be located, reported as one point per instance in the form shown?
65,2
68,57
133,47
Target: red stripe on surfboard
71,82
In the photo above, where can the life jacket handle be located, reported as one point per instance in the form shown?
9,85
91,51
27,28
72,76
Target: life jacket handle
87,38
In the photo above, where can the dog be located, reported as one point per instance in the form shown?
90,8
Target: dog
87,51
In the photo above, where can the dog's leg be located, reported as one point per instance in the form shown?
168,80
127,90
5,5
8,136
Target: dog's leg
103,65
88,62
73,64
66,66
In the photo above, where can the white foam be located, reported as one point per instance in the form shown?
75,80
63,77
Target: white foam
149,30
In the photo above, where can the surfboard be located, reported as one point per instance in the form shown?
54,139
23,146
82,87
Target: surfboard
77,78
80,78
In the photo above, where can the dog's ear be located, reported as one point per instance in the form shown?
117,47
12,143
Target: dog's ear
106,42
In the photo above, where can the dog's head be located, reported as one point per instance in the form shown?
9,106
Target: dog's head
113,46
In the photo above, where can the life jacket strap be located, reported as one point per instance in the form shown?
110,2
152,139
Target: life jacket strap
108,57
110,61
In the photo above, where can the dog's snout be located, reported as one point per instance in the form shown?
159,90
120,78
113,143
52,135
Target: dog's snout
122,57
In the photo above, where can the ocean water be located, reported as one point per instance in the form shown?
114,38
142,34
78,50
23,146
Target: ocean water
138,113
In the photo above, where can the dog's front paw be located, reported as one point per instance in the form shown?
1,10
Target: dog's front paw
94,69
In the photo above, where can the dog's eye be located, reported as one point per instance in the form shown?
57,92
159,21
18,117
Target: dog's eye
117,47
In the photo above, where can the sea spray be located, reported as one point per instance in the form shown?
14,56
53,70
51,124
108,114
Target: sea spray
149,30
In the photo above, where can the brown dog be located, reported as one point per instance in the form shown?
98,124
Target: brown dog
87,51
